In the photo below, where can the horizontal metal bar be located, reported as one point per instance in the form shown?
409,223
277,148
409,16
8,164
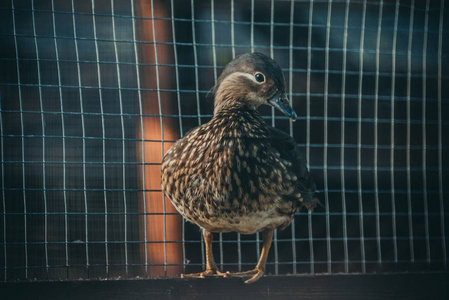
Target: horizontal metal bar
300,213
365,191
316,239
218,21
317,95
93,138
377,168
199,66
337,167
61,213
79,189
191,264
314,145
111,163
303,48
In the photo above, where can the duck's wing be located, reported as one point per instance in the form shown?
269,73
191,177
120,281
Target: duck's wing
286,146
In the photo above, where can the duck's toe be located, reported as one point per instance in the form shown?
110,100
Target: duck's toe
206,273
254,274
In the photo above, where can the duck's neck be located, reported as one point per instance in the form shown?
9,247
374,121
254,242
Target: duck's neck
241,119
229,101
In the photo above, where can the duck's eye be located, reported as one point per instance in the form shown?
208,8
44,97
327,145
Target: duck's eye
259,77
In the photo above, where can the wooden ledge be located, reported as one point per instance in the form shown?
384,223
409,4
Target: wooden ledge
352,286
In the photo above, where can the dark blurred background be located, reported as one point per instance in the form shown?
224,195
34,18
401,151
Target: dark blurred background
93,92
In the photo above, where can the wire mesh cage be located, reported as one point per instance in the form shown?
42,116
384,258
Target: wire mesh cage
94,92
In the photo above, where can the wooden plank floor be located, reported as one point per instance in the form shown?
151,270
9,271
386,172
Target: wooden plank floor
372,286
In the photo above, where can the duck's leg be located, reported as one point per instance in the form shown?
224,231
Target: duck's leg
259,270
211,267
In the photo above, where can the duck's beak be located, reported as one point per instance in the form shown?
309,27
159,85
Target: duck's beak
280,101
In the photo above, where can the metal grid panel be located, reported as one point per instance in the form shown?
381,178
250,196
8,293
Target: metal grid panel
93,94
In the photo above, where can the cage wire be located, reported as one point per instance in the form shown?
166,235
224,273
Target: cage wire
94,92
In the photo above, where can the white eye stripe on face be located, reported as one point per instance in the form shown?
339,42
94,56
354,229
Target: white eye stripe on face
247,75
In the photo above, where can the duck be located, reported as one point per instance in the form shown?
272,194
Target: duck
236,173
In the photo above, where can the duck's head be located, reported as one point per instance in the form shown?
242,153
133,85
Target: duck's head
253,78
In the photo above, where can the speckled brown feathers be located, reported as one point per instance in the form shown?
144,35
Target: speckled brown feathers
235,173
225,173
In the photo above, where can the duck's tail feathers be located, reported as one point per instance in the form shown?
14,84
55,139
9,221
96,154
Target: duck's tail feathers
311,203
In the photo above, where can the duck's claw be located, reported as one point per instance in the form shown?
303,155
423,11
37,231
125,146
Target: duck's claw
204,274
255,275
